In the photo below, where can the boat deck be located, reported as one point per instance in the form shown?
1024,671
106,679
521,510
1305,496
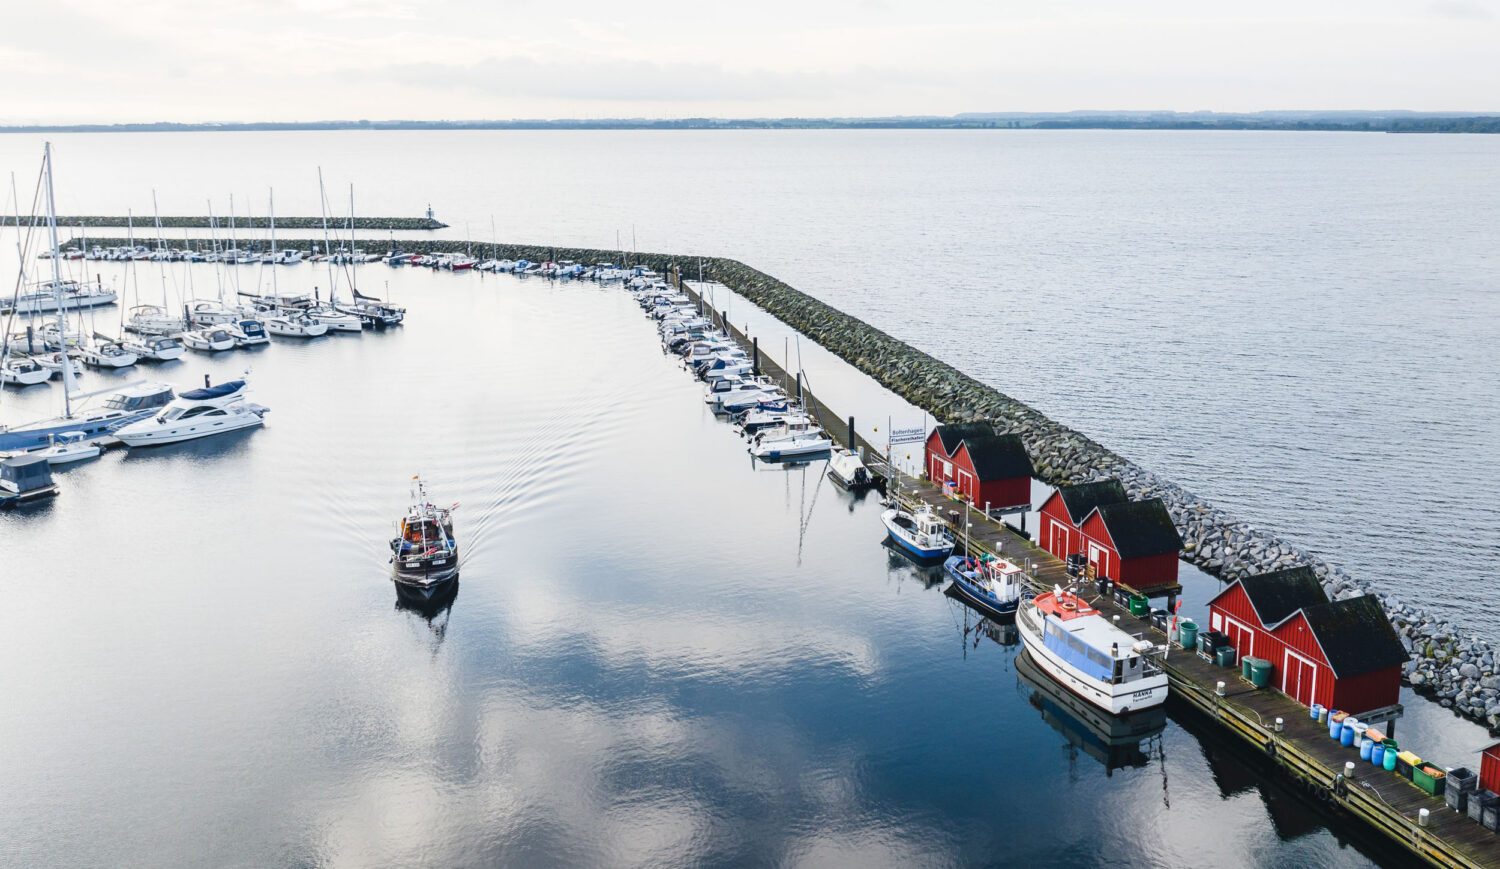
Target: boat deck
1383,801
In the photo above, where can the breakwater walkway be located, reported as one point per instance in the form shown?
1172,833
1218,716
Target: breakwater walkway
1453,667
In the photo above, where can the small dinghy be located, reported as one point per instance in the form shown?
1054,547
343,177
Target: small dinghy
920,533
424,555
988,584
68,447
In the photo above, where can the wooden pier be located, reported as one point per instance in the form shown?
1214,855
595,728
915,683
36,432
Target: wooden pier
1378,800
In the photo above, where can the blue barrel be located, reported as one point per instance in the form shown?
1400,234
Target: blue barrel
1364,748
1346,734
1334,727
1377,754
1312,712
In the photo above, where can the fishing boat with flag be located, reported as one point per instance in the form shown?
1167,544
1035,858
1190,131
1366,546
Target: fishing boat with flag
988,584
424,555
1076,645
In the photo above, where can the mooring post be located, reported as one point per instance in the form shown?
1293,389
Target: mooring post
851,432
755,356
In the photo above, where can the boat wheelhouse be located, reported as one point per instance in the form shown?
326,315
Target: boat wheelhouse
1077,646
424,553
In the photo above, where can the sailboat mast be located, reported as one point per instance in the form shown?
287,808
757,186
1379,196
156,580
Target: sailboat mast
327,244
57,286
213,231
275,290
353,260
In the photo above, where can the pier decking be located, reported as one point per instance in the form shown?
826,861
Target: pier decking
1381,801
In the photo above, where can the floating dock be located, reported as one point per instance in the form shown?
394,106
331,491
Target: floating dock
1380,801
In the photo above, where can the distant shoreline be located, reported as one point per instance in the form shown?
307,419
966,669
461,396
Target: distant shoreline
1330,121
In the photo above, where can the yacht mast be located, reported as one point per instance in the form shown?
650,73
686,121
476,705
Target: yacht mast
275,290
327,244
353,260
57,285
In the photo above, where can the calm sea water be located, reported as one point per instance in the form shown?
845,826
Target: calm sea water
660,654
1300,326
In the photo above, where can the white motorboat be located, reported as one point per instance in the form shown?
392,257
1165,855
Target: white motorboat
23,371
1091,657
334,319
293,324
153,320
288,257
790,440
156,348
69,446
53,362
212,313
848,471
48,296
764,417
107,354
197,413
210,339
249,332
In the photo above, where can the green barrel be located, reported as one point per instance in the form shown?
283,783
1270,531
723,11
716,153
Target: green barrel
1140,605
1187,631
1245,667
1389,761
1225,656
1260,672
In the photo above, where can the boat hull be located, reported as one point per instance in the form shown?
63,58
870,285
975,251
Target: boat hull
976,598
151,435
425,577
1116,700
916,551
40,435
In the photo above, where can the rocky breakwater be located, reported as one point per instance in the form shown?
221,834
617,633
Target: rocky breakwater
1459,671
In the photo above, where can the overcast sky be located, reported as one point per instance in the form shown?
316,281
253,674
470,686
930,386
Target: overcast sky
90,60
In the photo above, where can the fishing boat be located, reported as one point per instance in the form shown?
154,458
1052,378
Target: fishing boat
848,471
991,585
919,532
197,413
23,479
1087,654
424,553
210,339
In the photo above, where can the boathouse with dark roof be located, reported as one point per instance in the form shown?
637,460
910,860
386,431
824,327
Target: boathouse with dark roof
987,469
1062,514
1133,543
1343,654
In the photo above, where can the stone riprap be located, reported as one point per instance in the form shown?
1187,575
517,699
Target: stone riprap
1458,671
145,223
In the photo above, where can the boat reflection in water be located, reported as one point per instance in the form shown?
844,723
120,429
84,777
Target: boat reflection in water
899,563
434,610
1117,743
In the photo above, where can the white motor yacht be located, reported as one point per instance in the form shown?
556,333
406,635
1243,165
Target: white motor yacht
293,324
107,354
210,339
212,313
43,298
153,320
334,319
249,332
156,348
790,440
22,371
197,413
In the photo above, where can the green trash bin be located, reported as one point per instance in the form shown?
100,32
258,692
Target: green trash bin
1245,667
1225,656
1187,632
1140,605
1260,672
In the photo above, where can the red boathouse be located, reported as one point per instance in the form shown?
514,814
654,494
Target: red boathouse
985,468
1343,654
1133,543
